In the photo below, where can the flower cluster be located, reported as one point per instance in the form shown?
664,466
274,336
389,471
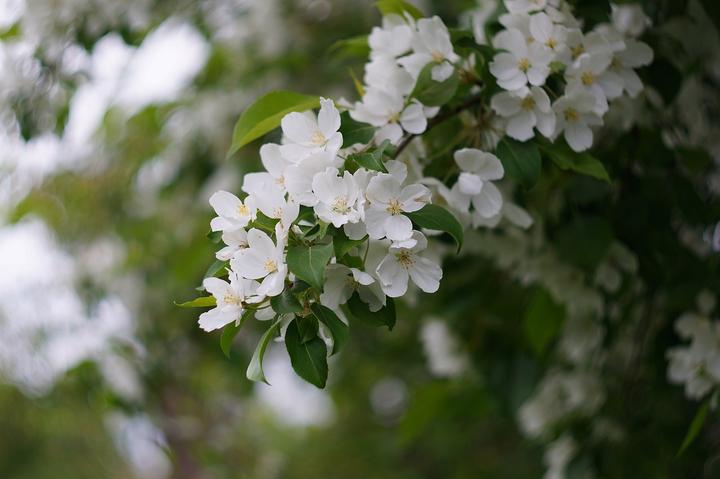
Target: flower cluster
546,55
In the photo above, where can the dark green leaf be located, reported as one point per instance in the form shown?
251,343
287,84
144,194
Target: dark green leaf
203,302
521,161
354,132
231,330
215,236
436,217
308,263
342,244
433,93
397,7
308,328
361,311
566,159
372,159
308,359
338,329
584,242
215,268
542,322
255,370
265,115
263,222
285,303
695,426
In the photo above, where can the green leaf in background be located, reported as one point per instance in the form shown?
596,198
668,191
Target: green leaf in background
309,358
354,132
285,303
566,159
265,115
342,244
584,242
353,47
255,371
338,329
433,93
543,320
695,426
521,161
361,311
202,302
231,330
436,217
397,7
215,268
308,263
215,236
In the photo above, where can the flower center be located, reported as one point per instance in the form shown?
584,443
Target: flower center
243,210
405,259
524,65
394,207
577,51
232,299
394,118
277,213
587,78
280,180
528,103
571,115
318,138
551,43
437,57
270,266
340,205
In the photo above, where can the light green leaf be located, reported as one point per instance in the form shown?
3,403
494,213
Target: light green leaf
308,263
255,371
361,311
521,161
436,217
388,7
285,303
202,302
338,329
566,159
695,427
231,330
265,115
309,358
542,322
433,93
356,46
354,132
215,268
372,159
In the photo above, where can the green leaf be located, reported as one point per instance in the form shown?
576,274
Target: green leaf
585,241
388,7
285,303
338,329
231,330
215,268
265,115
264,222
361,311
308,263
372,159
436,217
202,302
215,236
521,161
433,93
342,244
308,328
354,132
695,427
542,322
255,371
566,159
356,46
309,358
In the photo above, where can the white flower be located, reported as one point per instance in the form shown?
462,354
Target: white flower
385,74
401,264
274,163
388,112
546,33
525,109
575,114
629,19
698,364
232,212
590,73
337,197
388,201
474,185
229,300
273,204
305,133
390,40
263,259
522,63
299,176
525,6
636,54
341,282
235,241
431,44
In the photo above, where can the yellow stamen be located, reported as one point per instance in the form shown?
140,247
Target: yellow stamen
340,205
394,208
243,210
571,115
551,43
318,138
405,259
270,266
587,78
524,65
528,103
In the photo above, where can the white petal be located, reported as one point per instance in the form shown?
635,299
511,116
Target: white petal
398,227
393,277
328,118
225,203
413,119
579,136
425,274
216,319
521,125
470,183
489,202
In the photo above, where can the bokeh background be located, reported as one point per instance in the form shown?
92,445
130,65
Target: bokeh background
115,120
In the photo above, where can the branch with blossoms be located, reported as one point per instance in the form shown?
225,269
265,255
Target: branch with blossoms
352,209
